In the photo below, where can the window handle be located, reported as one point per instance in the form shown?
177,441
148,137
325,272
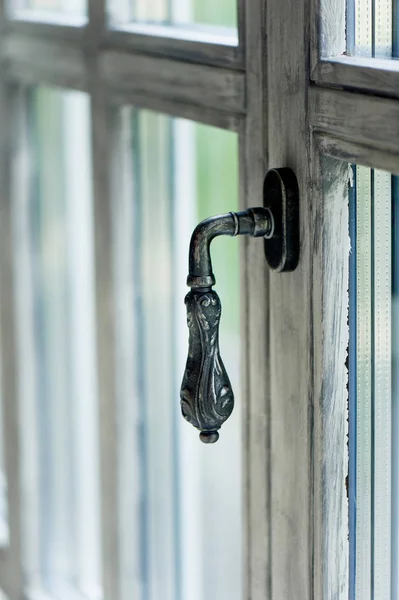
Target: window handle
207,398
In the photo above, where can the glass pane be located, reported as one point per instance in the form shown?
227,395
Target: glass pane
55,316
180,501
69,6
374,393
372,28
222,13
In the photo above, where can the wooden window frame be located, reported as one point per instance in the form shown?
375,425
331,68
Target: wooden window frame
331,66
294,388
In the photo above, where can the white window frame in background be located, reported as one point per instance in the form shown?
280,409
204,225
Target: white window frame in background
294,325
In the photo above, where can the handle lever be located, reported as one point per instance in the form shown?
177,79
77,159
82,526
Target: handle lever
207,398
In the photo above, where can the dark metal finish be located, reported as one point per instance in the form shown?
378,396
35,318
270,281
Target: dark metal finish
281,196
207,399
254,221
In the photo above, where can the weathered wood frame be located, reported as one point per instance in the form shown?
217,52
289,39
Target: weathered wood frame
294,325
329,64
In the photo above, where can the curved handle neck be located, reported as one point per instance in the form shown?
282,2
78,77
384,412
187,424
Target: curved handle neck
257,222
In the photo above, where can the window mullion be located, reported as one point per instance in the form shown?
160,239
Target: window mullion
10,557
97,13
104,289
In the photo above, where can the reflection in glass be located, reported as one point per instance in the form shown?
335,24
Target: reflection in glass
207,12
180,501
55,316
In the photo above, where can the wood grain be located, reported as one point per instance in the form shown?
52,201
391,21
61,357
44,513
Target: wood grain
367,120
329,27
330,344
308,395
358,154
294,325
102,147
35,60
377,75
10,556
192,84
290,314
255,289
201,46
101,138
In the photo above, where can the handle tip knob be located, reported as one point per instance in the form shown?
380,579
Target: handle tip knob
209,437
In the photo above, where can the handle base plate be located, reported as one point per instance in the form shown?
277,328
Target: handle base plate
281,196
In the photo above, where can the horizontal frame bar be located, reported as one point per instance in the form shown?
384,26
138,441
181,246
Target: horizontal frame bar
205,115
204,45
215,95
351,152
379,76
370,121
23,75
31,60
197,85
201,46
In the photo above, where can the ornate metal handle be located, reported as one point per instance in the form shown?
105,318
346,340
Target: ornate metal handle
207,398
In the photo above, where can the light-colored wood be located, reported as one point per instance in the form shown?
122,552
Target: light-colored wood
102,138
369,74
204,93
290,314
367,120
202,45
208,116
254,277
327,29
33,60
10,557
198,45
106,387
309,554
351,152
329,64
329,290
294,325
34,75
178,81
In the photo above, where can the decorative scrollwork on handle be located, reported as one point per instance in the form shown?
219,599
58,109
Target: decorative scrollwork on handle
206,396
207,399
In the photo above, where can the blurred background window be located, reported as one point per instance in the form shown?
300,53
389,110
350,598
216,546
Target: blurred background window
77,7
220,14
56,343
180,503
